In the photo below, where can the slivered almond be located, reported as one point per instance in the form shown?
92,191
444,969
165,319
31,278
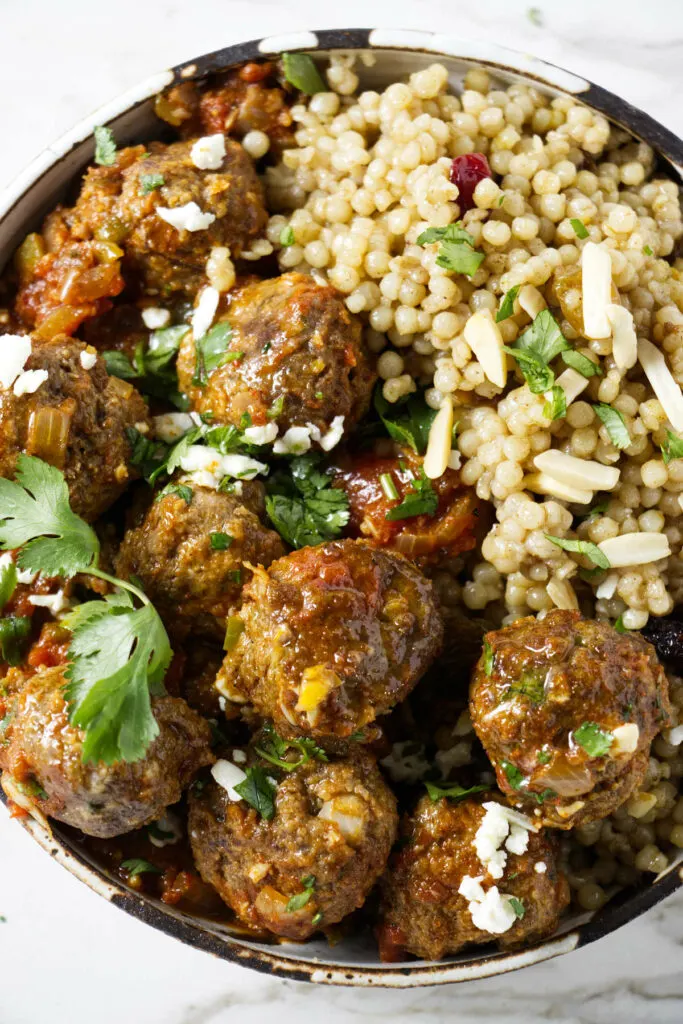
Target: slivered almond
663,384
485,340
624,341
635,548
625,739
531,301
542,483
596,286
561,593
572,383
582,473
439,443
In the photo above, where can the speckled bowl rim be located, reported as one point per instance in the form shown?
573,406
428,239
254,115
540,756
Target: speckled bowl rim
626,906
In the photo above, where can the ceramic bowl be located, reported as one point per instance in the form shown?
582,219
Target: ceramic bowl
396,54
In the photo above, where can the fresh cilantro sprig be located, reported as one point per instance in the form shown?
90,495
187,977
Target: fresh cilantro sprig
555,407
407,421
422,499
151,182
139,866
259,790
582,547
672,448
119,650
300,899
105,146
303,506
152,366
454,792
614,424
456,251
274,749
594,740
211,351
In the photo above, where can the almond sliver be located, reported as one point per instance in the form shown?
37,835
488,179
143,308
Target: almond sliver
663,384
439,443
582,473
543,483
635,549
485,340
596,286
624,341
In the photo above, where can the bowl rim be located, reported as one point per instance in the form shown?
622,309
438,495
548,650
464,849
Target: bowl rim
623,908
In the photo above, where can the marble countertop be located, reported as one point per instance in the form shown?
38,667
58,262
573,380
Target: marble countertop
64,952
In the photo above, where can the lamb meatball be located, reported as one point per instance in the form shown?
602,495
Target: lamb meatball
44,750
438,896
566,709
167,257
332,636
331,832
190,556
301,361
76,420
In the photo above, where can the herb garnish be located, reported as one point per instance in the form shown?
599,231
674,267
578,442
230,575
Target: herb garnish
259,791
8,582
300,900
517,906
422,500
303,506
139,866
647,250
619,625
507,306
287,236
530,685
151,182
274,748
211,351
594,740
582,547
105,146
454,792
408,421
580,229
179,490
119,653
536,348
614,424
582,364
512,774
301,72
220,541
14,632
543,757
556,404
672,448
487,658
151,366
456,252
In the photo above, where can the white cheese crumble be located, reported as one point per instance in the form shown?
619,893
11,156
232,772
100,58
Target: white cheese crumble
239,757
228,775
188,217
501,827
169,824
29,381
205,311
261,435
154,318
208,152
22,575
673,736
540,867
88,359
55,603
332,437
14,351
625,739
405,765
492,910
294,441
172,425
207,467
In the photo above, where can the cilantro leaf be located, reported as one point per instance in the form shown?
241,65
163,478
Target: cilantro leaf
582,547
259,791
163,346
179,490
507,306
151,365
148,455
454,792
301,72
408,421
118,655
456,252
151,182
8,582
517,906
512,774
582,364
139,866
211,351
543,756
543,338
422,501
614,424
35,515
287,236
14,632
274,748
105,146
594,740
303,506
530,684
672,448
580,229
119,365
556,405
220,541
300,900
537,374
488,658
619,625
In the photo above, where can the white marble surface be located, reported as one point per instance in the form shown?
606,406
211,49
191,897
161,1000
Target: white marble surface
65,955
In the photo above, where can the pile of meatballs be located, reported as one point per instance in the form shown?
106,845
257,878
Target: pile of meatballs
343,648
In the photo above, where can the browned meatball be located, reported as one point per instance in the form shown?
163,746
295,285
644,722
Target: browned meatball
77,421
44,750
332,636
566,709
301,359
332,829
190,556
169,258
424,913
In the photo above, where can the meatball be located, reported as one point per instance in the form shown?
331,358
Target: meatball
426,538
44,750
190,556
296,360
77,420
170,258
332,636
438,896
332,829
566,709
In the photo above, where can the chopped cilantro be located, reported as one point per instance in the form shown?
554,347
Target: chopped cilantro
388,486
31,787
594,740
423,500
105,146
300,900
151,366
582,547
614,424
672,447
536,348
408,421
220,541
507,306
556,405
454,792
530,684
151,182
138,866
543,756
317,917
287,236
456,252
647,250
301,72
303,506
259,791
512,774
619,625
535,16
488,658
274,748
582,364
517,906
580,229
211,351
179,490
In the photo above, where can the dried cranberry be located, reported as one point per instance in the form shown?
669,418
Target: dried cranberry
466,172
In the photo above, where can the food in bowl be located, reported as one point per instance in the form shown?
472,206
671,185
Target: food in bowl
342,462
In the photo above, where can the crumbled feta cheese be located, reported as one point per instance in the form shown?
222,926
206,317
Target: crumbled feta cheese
14,351
471,888
88,359
294,441
228,775
499,823
170,824
188,217
22,575
154,318
239,757
205,311
29,381
55,603
333,436
208,467
172,425
673,736
540,867
208,152
406,762
453,757
625,738
261,435
494,913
